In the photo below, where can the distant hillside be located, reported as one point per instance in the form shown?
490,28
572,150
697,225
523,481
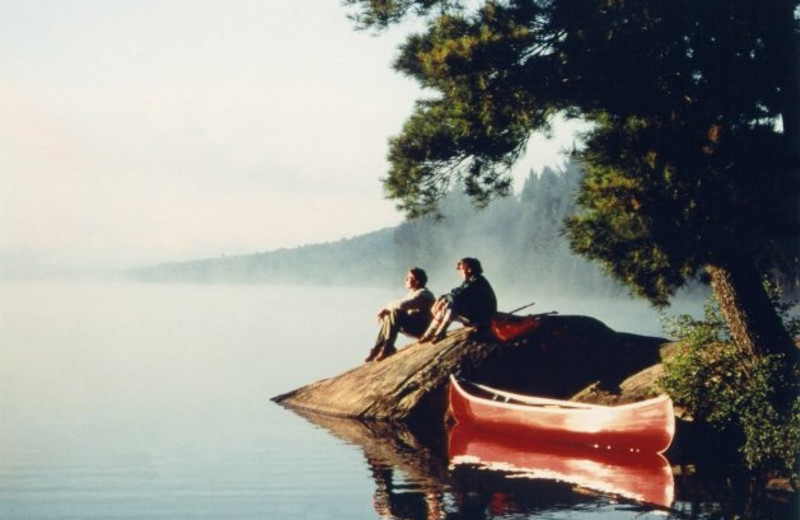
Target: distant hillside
363,260
519,240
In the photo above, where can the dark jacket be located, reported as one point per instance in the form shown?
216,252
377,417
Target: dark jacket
474,300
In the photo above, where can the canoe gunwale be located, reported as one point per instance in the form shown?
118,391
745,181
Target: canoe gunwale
530,403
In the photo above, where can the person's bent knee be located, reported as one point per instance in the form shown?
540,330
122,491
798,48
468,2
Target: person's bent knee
391,315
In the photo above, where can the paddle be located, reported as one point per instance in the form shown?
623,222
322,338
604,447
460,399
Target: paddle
523,307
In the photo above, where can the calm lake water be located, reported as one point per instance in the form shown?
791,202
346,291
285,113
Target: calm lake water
124,400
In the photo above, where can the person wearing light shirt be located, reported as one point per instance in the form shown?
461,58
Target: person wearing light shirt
410,315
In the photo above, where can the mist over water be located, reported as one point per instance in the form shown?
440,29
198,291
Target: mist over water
122,400
151,401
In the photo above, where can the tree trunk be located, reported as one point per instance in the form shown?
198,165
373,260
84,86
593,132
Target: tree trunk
746,306
785,47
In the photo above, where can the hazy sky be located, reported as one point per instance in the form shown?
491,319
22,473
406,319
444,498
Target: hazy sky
142,131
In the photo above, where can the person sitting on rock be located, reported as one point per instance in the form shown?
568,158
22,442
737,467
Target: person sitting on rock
472,303
410,315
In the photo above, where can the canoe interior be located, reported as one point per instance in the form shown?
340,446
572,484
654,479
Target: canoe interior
493,394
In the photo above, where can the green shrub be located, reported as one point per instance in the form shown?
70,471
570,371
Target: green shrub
732,390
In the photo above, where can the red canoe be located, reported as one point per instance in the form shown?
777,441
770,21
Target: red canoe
646,426
644,477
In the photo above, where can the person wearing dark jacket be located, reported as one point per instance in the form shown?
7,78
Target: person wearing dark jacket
472,303
410,315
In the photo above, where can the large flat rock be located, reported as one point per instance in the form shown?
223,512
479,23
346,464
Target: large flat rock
559,358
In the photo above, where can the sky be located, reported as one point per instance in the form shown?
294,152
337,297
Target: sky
135,132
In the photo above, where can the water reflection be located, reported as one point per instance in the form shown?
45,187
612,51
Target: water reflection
427,474
410,475
390,500
645,478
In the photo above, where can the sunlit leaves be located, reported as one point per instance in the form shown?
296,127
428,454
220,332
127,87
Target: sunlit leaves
478,124
720,383
380,14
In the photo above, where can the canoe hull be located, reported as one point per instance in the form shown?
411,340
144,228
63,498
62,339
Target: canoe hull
647,426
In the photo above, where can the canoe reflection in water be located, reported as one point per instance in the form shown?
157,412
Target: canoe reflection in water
643,477
415,479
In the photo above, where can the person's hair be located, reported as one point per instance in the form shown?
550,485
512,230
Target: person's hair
419,274
473,263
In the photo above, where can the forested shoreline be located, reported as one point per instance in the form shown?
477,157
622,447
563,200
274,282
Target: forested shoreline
518,238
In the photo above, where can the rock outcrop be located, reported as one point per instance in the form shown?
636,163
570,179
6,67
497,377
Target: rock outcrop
561,356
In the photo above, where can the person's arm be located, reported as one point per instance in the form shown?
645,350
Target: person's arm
417,300
463,292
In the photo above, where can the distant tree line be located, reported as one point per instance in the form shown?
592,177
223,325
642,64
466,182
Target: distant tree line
362,260
519,239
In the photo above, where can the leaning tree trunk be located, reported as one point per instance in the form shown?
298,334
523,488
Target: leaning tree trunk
748,310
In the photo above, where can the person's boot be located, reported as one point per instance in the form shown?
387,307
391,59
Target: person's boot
430,333
435,334
373,353
385,352
439,336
